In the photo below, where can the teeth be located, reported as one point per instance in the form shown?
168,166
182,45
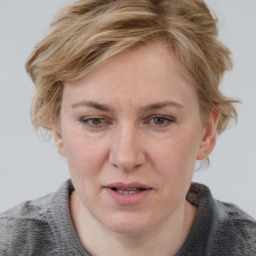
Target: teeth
128,192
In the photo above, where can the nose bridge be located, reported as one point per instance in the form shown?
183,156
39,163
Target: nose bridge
126,148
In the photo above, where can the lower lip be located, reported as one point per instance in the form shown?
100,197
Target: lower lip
130,199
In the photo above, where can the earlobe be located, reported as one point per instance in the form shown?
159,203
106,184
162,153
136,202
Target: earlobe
58,138
209,136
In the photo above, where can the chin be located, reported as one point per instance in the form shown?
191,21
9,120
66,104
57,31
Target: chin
129,223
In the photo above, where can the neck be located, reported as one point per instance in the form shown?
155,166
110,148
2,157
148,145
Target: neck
164,239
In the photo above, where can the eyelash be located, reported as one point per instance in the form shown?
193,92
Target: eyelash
166,120
104,121
89,122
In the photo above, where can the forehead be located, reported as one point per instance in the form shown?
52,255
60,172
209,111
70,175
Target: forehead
146,73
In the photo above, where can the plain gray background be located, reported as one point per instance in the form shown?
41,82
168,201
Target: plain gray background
30,168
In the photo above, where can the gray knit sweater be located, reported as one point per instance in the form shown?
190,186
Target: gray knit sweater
44,227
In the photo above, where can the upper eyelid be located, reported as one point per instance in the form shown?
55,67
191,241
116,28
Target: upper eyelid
171,118
148,117
93,117
110,120
85,119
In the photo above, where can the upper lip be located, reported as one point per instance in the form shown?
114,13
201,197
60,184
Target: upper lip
126,186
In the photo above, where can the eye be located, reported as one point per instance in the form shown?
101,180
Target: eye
95,122
160,120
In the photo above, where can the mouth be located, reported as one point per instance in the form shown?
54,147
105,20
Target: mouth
129,194
130,191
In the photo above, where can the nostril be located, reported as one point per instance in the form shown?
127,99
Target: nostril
126,154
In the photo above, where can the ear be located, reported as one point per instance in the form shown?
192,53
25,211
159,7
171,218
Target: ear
209,136
56,129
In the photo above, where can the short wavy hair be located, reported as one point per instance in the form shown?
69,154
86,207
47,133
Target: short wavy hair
88,33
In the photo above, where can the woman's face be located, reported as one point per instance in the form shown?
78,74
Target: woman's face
131,132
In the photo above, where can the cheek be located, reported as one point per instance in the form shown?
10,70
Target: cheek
84,167
175,160
85,155
179,151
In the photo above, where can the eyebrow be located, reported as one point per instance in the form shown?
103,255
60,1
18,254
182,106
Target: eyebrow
93,104
159,105
106,108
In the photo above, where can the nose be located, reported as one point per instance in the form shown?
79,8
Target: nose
127,151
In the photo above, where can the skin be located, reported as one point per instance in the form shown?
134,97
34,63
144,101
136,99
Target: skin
134,119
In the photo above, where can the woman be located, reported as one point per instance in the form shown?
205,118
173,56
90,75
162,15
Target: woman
130,91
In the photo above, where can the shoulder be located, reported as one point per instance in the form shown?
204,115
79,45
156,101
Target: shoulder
235,228
223,227
25,228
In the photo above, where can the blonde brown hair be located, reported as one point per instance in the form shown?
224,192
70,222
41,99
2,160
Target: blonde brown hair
87,33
